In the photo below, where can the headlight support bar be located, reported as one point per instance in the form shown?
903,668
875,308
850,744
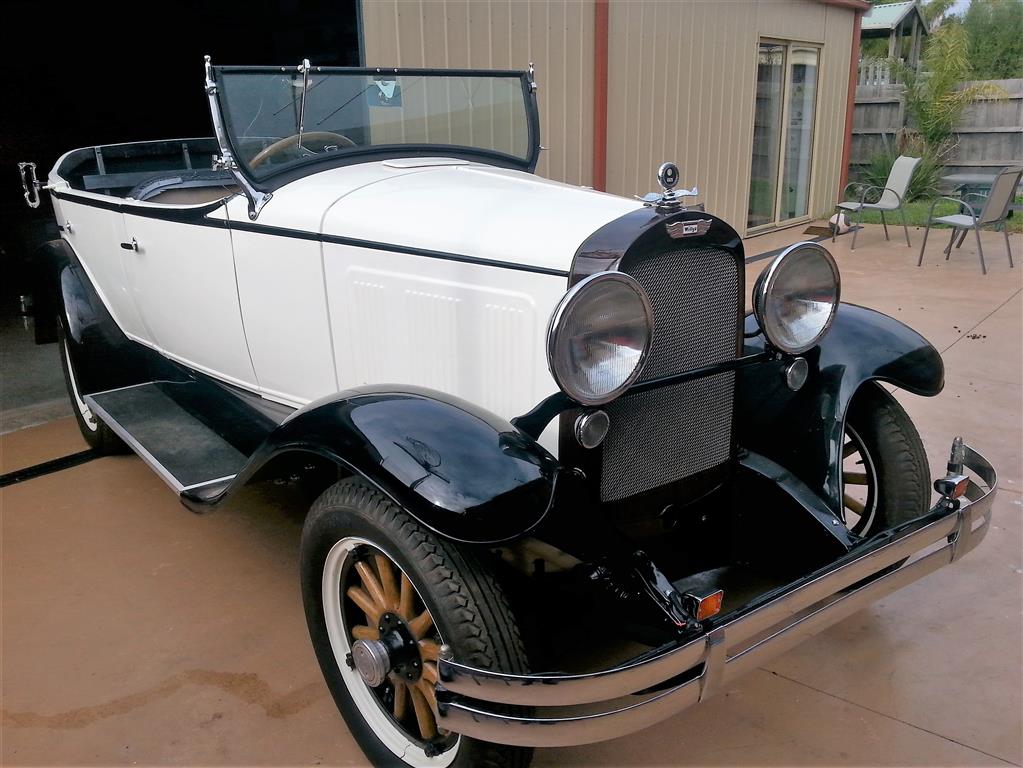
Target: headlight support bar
536,420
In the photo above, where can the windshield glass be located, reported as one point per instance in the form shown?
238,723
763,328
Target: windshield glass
273,128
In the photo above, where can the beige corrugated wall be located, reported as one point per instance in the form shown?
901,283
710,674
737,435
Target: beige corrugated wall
681,86
557,36
681,80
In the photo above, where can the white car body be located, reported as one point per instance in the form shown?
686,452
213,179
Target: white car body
277,309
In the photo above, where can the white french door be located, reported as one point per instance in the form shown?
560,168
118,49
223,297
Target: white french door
783,125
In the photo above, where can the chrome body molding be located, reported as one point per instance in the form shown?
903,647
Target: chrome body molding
689,672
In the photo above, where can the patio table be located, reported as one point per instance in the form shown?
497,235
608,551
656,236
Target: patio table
970,183
975,184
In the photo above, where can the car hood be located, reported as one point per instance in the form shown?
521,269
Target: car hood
465,209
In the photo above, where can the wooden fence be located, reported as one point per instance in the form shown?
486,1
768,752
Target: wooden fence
989,134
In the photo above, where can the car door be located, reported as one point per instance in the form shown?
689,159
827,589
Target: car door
95,234
180,269
284,304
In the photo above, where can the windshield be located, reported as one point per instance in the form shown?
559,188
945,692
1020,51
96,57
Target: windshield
345,113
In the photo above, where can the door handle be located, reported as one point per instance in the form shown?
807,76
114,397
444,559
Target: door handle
132,246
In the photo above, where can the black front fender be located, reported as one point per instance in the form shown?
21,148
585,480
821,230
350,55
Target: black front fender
803,431
458,469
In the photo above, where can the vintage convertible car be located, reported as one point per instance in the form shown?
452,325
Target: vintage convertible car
565,486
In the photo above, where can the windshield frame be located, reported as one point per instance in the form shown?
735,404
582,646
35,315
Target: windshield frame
272,181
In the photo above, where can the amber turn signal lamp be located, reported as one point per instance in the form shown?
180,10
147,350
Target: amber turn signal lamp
953,486
710,605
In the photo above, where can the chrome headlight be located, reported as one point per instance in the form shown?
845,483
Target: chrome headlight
796,297
599,337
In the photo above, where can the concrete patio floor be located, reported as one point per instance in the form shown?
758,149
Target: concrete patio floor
135,632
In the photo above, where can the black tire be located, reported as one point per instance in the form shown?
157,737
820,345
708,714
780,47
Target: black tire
469,610
895,457
97,434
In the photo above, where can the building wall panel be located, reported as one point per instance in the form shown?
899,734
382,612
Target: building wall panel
833,94
792,20
681,80
556,35
681,86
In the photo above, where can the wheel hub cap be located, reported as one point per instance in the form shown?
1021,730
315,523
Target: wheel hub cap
372,661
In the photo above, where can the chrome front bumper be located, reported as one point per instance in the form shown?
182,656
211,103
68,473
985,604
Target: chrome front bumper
583,708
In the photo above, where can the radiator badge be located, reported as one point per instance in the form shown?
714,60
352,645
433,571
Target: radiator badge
691,228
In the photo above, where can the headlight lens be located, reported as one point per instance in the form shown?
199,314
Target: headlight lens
599,336
795,298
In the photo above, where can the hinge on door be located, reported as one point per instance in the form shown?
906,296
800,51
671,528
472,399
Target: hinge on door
222,164
30,185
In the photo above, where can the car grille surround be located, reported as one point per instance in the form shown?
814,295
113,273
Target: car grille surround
665,435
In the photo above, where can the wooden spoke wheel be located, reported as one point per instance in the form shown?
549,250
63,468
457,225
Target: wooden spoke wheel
859,484
382,595
396,631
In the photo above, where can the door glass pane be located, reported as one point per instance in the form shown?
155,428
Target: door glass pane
766,134
802,97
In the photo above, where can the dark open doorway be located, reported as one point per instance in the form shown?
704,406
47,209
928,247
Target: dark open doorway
80,74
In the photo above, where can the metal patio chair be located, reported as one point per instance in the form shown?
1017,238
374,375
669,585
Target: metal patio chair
995,211
890,199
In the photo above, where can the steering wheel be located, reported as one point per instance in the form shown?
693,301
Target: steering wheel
325,138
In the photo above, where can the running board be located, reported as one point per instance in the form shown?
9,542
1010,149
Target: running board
185,452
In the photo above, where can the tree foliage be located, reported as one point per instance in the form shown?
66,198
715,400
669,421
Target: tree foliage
986,43
936,96
995,31
936,12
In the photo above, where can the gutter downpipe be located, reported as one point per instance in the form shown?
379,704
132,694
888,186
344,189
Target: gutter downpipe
600,46
854,64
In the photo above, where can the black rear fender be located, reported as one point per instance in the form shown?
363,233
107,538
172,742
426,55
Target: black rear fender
46,265
102,356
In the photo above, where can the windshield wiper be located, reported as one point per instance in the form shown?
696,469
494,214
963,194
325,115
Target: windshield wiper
305,92
292,102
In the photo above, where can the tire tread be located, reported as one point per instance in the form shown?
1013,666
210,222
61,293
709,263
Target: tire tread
465,589
901,461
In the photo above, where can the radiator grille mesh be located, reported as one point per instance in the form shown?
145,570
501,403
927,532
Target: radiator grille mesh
694,294
665,435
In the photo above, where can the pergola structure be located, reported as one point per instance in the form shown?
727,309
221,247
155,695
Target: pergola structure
896,21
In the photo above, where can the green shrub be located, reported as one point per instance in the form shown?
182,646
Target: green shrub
927,176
